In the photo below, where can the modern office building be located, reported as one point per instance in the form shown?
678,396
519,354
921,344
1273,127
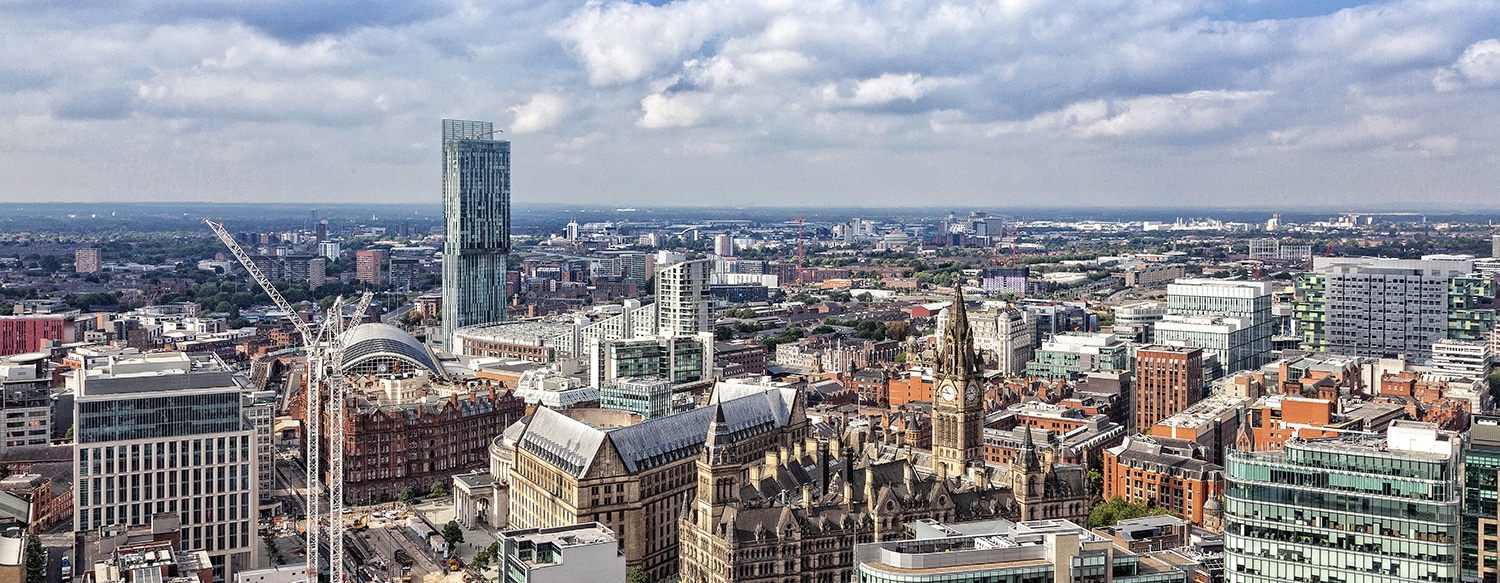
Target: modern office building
1249,302
476,218
1461,358
1481,514
1137,322
1367,508
651,397
683,304
168,433
679,359
564,554
1070,355
1051,318
1366,306
1228,343
1168,379
1036,551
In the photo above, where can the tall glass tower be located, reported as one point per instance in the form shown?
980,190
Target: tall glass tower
476,215
1363,509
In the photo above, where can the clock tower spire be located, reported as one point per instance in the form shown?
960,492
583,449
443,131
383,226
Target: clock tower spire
957,406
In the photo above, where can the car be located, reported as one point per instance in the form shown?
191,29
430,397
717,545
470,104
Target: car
67,569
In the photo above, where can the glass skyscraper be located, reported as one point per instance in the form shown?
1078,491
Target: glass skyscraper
1361,509
476,217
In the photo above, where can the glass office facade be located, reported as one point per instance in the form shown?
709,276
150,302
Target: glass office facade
1341,511
1481,512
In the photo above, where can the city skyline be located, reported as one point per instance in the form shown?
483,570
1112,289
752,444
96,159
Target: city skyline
1267,103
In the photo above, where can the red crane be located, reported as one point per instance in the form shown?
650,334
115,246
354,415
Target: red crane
1014,233
799,248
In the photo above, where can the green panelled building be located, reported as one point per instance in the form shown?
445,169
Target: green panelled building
1362,509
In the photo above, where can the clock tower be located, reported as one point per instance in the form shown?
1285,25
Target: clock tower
957,396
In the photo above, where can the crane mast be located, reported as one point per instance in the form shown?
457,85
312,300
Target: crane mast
325,353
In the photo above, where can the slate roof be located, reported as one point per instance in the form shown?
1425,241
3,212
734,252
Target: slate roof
572,445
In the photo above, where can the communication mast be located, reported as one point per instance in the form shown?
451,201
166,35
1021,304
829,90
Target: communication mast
325,355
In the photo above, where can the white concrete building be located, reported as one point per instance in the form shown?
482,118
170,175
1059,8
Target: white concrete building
168,433
566,554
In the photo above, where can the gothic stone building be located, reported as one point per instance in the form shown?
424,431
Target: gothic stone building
778,518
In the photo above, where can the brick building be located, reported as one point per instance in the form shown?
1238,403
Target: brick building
391,447
1164,471
1168,380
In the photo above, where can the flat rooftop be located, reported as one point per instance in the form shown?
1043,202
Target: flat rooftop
573,535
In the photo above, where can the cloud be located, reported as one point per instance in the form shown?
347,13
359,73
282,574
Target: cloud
1183,113
100,103
234,98
542,111
678,110
1478,67
884,89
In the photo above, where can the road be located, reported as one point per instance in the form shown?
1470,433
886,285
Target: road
57,544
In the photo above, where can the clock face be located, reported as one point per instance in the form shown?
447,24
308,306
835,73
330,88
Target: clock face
948,392
973,393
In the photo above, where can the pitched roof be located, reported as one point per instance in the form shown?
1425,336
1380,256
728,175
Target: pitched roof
572,445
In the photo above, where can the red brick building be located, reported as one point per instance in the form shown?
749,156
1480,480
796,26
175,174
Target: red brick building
1168,380
391,447
1162,471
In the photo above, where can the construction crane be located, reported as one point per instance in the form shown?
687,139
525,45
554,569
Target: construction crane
325,354
799,249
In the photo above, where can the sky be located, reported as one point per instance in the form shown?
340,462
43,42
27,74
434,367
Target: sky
891,103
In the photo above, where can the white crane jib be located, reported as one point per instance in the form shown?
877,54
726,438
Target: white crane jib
325,354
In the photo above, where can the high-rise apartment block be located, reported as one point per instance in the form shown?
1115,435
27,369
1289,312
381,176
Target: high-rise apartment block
476,216
1360,508
87,260
369,266
683,304
1366,306
168,433
1246,301
406,272
1167,379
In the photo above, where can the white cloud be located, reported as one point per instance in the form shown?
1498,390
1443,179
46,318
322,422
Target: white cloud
884,89
1183,113
1479,66
678,110
542,111
978,91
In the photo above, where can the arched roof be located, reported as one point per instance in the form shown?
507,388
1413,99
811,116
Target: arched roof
370,341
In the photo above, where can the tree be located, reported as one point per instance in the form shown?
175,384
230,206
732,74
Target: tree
636,575
454,534
865,297
439,489
407,494
897,329
1118,509
36,560
482,559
